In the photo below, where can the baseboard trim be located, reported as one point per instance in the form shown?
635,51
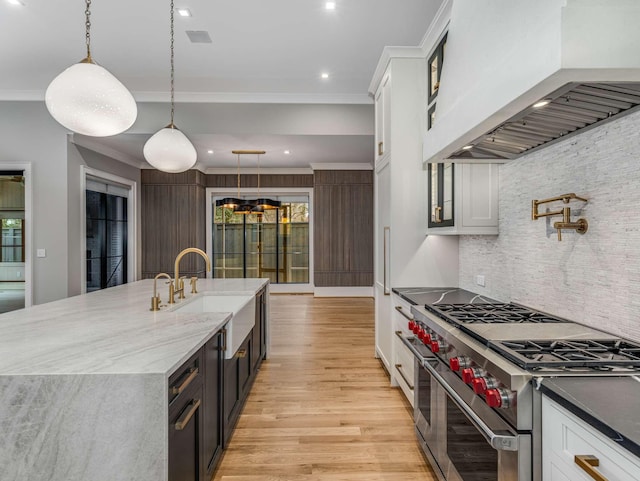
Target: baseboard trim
343,292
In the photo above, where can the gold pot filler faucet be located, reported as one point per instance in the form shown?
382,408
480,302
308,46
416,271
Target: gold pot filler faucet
177,284
581,225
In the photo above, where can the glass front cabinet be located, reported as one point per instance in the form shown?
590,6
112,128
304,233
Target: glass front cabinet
462,198
441,188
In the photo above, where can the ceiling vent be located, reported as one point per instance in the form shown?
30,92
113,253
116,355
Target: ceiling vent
199,36
570,109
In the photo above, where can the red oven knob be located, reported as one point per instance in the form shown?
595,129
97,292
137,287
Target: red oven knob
416,328
458,362
411,325
479,385
470,373
482,384
437,346
426,338
421,333
498,398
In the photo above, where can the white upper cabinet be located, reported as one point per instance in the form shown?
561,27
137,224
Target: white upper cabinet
462,199
383,118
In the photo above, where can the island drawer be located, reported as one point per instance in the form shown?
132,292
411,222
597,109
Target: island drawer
189,374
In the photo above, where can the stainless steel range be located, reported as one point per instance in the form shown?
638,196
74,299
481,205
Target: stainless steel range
477,413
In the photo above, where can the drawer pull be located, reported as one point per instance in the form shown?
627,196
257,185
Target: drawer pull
187,415
588,463
380,149
241,353
399,309
404,378
224,340
193,372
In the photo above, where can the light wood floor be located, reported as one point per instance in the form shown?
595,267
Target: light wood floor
321,407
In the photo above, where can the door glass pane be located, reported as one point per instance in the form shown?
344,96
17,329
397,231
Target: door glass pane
434,75
12,248
434,192
272,245
447,192
106,240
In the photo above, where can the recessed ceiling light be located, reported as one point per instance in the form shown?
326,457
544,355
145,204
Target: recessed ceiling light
16,2
209,151
542,103
467,147
184,12
330,5
324,75
287,152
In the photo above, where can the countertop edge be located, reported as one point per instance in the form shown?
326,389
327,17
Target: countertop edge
615,436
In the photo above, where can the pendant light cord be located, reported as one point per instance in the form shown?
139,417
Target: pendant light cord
87,24
172,68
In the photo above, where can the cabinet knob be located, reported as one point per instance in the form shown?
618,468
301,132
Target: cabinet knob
438,213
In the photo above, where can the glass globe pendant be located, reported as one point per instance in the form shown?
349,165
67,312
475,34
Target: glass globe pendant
86,98
169,150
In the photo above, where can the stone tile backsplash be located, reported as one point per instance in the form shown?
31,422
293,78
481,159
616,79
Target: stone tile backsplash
593,278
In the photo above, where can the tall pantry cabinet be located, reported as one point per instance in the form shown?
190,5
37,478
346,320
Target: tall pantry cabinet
404,255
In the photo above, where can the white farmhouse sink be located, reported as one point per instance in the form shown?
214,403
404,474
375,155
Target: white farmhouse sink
240,325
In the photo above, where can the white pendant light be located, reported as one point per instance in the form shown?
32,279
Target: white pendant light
169,150
86,98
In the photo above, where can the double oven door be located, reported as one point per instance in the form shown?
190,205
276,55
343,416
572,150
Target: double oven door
462,437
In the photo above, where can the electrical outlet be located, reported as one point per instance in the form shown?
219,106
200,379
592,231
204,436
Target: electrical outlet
480,280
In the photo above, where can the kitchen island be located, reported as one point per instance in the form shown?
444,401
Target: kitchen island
84,381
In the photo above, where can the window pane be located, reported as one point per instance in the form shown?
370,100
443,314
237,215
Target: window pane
95,205
95,238
116,208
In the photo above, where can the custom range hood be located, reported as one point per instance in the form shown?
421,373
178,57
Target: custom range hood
519,75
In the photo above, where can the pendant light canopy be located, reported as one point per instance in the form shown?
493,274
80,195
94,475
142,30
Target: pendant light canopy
86,98
169,150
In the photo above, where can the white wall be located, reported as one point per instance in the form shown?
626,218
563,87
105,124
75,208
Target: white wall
29,134
592,278
78,156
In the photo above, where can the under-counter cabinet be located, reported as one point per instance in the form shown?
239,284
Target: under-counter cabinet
567,439
403,365
186,425
462,199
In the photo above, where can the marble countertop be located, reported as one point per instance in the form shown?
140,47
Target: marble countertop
434,295
111,331
609,404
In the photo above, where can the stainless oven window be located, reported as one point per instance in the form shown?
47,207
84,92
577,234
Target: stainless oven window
423,399
467,449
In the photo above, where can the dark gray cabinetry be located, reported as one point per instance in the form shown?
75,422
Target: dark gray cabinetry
195,428
237,377
212,411
259,330
186,421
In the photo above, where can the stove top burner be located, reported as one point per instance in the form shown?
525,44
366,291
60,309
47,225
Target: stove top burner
567,355
489,313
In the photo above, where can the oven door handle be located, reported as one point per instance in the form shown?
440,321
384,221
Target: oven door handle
407,342
502,440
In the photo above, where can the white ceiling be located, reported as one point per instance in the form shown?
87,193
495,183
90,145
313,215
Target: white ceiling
261,51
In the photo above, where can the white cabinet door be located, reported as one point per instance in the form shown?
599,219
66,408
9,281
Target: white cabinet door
383,117
564,436
383,325
402,373
475,205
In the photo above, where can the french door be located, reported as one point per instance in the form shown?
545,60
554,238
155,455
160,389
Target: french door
274,244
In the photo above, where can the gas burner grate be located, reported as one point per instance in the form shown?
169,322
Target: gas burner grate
489,314
606,355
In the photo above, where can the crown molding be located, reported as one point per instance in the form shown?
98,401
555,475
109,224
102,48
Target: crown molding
389,53
437,28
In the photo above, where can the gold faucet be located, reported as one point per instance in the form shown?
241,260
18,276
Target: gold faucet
155,300
179,281
581,225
